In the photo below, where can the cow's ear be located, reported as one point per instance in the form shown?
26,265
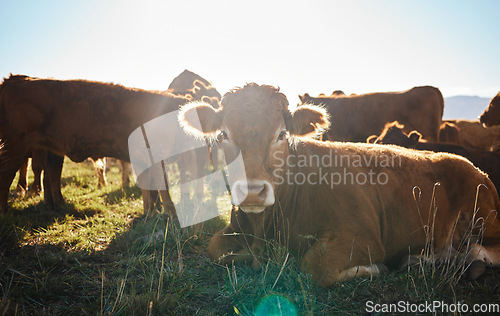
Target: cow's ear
200,119
308,120
414,137
304,98
371,139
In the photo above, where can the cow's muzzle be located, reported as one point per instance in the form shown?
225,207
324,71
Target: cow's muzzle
485,121
252,195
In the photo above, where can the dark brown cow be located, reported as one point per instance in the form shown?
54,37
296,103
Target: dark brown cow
181,85
487,161
491,116
341,227
76,118
356,117
474,135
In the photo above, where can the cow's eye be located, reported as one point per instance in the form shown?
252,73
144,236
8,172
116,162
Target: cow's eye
282,135
222,136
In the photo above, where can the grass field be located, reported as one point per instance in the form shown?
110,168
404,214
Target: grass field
101,255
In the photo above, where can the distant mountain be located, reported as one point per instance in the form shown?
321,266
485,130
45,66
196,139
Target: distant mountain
464,107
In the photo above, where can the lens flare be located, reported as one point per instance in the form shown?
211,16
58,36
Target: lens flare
275,304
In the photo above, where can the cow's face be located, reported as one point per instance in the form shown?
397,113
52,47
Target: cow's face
255,127
491,116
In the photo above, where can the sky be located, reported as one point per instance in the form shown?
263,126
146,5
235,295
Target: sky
300,46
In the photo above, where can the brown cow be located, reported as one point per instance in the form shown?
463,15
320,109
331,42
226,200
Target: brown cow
344,225
356,117
487,161
180,85
186,83
491,116
76,118
474,135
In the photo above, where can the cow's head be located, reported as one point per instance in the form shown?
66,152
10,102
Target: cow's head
195,87
491,116
393,135
337,93
254,123
305,99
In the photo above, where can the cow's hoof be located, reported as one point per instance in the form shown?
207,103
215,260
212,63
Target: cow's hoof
475,269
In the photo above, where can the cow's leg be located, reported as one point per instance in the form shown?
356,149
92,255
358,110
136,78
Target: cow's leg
228,246
149,199
480,257
126,173
11,159
332,260
168,204
37,156
6,178
22,183
100,168
240,242
53,165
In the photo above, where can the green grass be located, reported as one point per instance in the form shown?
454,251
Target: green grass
99,254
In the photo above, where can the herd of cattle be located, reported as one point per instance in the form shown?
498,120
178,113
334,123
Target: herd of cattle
443,188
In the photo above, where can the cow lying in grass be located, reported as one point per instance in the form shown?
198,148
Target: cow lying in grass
344,225
487,161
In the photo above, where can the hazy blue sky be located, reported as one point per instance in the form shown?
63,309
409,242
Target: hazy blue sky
301,46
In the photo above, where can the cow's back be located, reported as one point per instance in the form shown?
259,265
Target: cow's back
417,185
78,118
356,117
473,134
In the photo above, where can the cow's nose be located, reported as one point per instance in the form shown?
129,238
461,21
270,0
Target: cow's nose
252,193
